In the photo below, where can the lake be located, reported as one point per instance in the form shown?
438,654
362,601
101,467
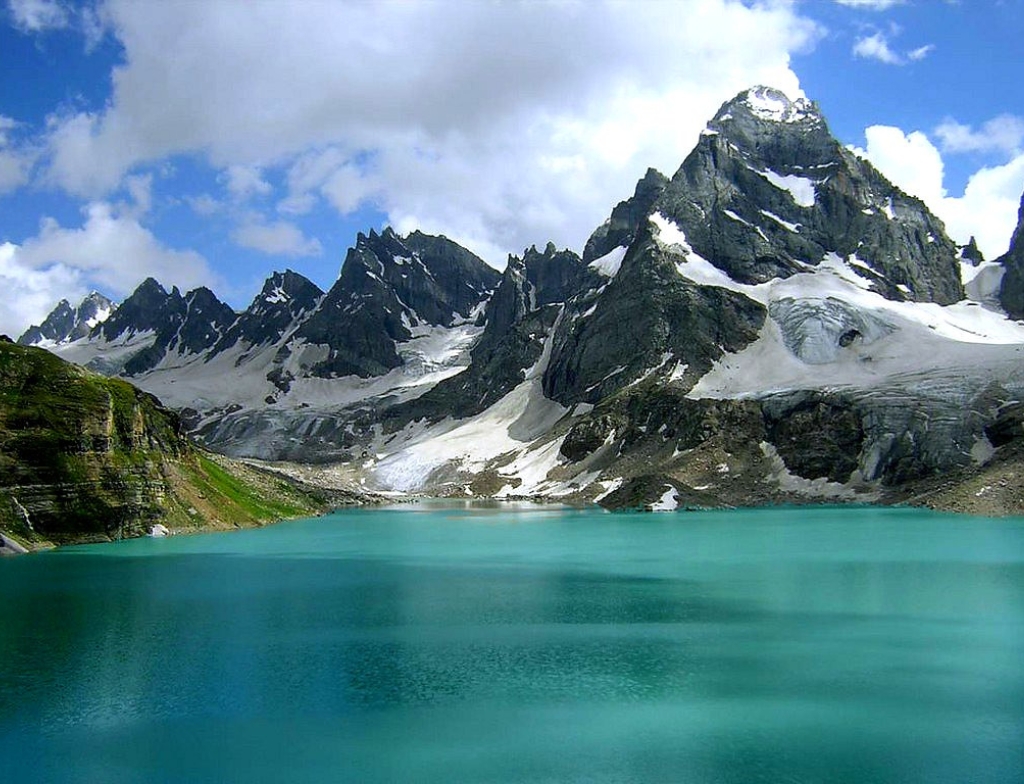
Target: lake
435,643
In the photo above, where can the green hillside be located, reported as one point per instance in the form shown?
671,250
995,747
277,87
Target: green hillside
89,458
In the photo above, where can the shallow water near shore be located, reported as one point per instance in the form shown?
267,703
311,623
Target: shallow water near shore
442,643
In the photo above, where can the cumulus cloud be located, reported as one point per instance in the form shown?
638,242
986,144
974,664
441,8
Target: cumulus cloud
505,124
876,47
277,239
988,207
204,204
1000,134
910,161
111,250
29,294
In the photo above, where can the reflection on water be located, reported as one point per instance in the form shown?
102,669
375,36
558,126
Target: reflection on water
460,643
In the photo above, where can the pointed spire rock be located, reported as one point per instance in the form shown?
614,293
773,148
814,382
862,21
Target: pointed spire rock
970,252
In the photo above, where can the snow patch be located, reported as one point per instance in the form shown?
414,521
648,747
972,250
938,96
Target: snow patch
800,188
769,104
668,502
609,264
793,227
813,488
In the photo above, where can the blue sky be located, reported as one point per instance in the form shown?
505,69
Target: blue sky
212,143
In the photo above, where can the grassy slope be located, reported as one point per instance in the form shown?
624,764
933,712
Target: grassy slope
87,458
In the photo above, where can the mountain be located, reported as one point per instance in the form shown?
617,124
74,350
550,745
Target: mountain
388,289
775,322
285,300
87,458
65,323
1011,293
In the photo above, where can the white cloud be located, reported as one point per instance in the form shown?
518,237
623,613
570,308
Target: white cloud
871,5
1000,134
29,293
204,204
876,47
507,124
296,204
111,251
15,163
910,161
277,239
988,207
244,182
921,52
36,16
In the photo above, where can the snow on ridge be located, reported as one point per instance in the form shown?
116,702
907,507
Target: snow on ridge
609,264
693,267
738,219
276,296
772,105
800,188
793,227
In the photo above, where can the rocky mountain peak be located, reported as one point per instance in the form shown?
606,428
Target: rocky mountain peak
388,287
628,217
768,192
66,323
285,299
765,104
1011,294
146,309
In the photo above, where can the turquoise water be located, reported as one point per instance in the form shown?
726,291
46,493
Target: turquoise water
508,644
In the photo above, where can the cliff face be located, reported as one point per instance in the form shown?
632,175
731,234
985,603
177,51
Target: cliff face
89,458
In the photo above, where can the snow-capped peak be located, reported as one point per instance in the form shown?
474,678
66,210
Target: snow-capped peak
769,103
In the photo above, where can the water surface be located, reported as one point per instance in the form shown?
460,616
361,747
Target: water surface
502,644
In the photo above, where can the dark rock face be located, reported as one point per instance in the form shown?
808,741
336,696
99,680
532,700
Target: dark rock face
768,191
185,325
1011,294
627,218
647,320
971,252
285,300
815,437
456,280
65,323
148,308
388,286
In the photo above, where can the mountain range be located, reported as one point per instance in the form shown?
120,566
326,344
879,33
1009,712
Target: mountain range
776,321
